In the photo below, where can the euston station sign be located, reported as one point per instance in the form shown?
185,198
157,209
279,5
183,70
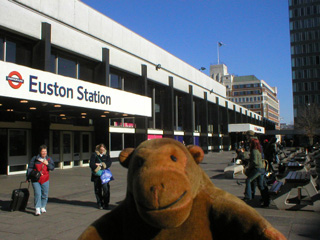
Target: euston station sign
26,83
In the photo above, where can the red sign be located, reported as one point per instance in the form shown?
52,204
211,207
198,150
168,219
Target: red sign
15,82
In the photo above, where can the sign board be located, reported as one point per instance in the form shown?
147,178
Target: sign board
26,83
243,127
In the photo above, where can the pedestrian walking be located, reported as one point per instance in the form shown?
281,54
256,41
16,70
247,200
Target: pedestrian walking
99,161
40,165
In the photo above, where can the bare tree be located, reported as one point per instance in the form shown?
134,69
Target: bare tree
308,120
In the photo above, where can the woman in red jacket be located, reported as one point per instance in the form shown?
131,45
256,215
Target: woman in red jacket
42,163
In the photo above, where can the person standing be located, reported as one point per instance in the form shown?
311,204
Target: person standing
256,172
99,161
270,153
42,163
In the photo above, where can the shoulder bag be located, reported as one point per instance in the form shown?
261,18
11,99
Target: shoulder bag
35,175
99,173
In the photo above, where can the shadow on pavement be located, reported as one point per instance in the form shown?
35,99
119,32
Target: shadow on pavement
219,176
5,207
77,203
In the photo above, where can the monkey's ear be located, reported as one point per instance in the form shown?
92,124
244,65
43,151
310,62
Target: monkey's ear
196,152
125,156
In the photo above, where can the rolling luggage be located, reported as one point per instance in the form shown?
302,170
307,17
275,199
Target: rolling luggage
19,198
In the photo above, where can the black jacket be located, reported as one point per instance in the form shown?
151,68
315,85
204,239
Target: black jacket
97,158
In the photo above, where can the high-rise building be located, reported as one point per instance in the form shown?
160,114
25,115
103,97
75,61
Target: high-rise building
304,17
249,92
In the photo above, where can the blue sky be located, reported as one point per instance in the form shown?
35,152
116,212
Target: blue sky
256,34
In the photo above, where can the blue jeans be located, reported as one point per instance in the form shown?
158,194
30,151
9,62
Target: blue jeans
41,192
257,173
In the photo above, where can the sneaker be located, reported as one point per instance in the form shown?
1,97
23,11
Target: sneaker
43,210
38,213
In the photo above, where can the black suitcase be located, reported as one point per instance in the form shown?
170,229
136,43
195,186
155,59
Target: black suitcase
19,198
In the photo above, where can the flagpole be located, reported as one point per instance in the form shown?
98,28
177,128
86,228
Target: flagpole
218,52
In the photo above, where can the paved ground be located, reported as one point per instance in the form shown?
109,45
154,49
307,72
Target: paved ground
72,206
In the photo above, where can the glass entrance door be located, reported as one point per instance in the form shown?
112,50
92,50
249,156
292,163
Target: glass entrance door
67,149
18,150
85,146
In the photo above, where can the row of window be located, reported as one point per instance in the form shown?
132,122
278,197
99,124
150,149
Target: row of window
304,11
270,115
246,93
252,85
20,51
271,96
252,106
273,109
307,86
247,99
306,48
305,61
306,23
15,52
298,2
305,36
305,99
306,73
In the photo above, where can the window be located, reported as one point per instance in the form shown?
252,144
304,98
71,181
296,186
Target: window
1,48
86,71
294,86
67,67
53,63
18,52
129,141
116,142
115,81
18,143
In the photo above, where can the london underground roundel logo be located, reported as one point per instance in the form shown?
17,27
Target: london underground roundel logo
15,79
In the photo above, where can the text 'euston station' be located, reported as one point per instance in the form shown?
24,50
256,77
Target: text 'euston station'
61,91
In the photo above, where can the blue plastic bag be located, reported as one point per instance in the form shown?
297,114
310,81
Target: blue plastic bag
106,176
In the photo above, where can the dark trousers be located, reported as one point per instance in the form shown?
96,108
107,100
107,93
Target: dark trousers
102,192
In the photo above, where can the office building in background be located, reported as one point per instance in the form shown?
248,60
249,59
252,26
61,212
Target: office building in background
304,17
249,92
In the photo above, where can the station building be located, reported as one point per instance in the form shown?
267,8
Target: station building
71,78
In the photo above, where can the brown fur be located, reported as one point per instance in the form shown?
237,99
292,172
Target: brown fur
170,197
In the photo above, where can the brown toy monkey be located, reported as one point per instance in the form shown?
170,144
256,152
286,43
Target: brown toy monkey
170,197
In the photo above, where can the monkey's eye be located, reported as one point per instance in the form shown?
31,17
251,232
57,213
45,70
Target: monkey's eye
173,158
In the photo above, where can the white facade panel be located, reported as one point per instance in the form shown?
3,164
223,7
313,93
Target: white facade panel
48,7
12,17
81,16
67,11
181,84
198,92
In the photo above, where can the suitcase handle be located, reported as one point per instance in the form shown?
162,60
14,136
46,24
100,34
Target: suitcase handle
24,182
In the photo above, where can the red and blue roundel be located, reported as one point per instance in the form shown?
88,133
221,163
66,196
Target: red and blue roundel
15,79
